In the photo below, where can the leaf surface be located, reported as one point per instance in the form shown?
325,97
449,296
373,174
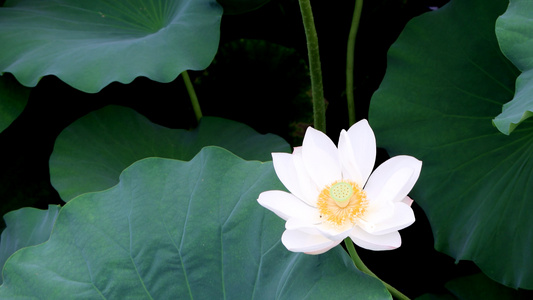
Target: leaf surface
90,154
180,229
514,30
89,44
13,99
26,227
446,79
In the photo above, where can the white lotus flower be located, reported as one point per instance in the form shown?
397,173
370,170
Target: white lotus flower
333,194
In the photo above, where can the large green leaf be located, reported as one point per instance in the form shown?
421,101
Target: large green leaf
479,286
446,79
174,230
514,30
89,44
26,227
13,99
89,154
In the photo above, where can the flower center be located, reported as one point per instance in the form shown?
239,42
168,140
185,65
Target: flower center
341,192
341,203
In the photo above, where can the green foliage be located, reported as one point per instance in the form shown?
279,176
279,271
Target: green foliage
180,229
446,78
514,30
13,99
479,286
26,227
89,44
120,136
476,286
155,212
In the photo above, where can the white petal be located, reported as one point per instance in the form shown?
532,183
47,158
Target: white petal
309,188
375,214
299,241
392,180
402,217
407,200
317,228
369,241
291,172
288,206
295,224
286,172
335,234
357,151
321,158
323,250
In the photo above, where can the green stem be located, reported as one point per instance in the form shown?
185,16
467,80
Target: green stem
363,268
319,108
350,60
192,95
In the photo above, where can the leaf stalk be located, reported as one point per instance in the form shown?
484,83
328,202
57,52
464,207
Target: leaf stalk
363,268
192,95
350,54
317,90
